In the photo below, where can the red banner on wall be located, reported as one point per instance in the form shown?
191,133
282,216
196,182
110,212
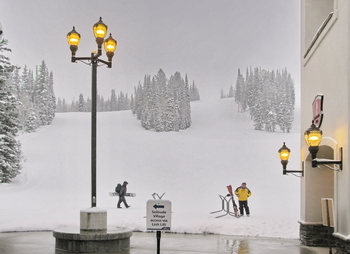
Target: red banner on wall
317,108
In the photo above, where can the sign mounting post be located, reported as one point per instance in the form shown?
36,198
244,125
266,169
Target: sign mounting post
158,217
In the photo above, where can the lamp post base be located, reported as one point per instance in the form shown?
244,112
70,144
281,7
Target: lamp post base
93,236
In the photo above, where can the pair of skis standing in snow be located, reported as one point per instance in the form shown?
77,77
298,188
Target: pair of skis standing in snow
243,193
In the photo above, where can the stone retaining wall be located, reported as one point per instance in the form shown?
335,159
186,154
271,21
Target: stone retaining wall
315,235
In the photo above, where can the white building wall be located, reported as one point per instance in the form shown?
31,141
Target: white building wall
325,70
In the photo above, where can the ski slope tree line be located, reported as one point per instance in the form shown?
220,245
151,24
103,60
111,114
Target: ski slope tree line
163,104
116,102
36,94
26,102
269,96
113,103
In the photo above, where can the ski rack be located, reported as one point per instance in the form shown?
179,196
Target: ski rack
227,210
156,194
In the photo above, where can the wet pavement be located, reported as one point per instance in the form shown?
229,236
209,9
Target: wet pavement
146,243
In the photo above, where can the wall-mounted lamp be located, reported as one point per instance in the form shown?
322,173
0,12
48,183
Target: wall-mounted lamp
284,153
313,138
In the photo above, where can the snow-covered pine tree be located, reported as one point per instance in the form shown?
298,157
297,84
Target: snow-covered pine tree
100,103
160,100
10,148
123,102
64,105
51,99
170,114
259,100
291,102
231,92
269,115
44,98
138,101
194,92
270,97
88,105
81,103
31,123
287,102
185,105
132,103
146,112
161,104
178,84
251,90
113,105
240,92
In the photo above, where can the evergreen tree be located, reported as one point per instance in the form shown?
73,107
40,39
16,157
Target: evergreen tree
240,92
231,92
113,106
160,100
251,90
64,106
10,148
170,112
51,100
161,104
269,96
59,107
81,103
31,122
194,93
137,108
185,105
147,99
43,95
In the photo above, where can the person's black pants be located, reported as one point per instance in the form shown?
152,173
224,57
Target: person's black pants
243,205
122,199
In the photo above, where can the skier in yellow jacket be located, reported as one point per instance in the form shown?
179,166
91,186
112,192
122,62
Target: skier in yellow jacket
243,193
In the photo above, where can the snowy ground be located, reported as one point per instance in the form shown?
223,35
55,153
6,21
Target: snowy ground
191,167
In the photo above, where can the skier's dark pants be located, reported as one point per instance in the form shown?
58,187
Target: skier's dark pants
122,199
243,205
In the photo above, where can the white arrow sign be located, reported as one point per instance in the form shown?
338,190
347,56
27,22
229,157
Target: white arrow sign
158,214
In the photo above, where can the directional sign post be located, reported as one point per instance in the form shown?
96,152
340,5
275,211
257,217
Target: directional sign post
158,217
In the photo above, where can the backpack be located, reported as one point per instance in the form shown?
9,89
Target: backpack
117,189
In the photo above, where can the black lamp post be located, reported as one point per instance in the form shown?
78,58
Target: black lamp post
110,45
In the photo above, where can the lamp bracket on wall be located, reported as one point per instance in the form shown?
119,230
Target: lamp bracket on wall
301,172
326,162
293,172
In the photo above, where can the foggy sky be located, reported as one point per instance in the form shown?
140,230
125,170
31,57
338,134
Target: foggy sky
207,39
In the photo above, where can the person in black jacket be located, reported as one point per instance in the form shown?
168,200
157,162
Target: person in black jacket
122,194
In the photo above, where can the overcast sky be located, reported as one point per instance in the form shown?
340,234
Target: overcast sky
207,39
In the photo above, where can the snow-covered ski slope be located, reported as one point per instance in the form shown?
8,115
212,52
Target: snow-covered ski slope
191,167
